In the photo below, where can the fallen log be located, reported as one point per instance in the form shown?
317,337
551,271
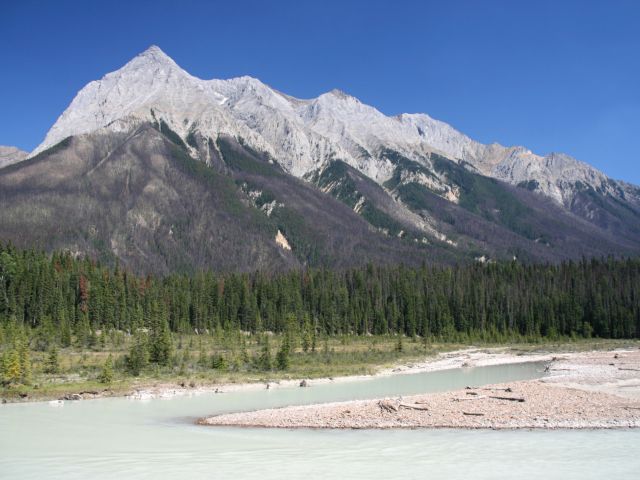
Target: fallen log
511,399
508,389
475,414
630,369
413,407
387,407
477,397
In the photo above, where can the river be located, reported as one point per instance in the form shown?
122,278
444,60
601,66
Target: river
124,438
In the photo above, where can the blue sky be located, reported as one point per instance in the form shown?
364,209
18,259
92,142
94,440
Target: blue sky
551,75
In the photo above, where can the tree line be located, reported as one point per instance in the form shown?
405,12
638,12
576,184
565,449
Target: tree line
59,299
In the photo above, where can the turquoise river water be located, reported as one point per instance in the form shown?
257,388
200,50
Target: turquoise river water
120,438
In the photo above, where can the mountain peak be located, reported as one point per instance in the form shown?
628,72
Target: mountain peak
156,53
336,92
153,56
300,134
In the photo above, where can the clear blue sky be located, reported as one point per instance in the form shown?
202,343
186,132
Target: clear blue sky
551,75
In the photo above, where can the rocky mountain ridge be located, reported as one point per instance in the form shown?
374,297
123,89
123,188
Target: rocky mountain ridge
162,171
303,135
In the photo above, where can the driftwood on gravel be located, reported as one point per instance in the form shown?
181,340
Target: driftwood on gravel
474,414
387,406
415,406
508,390
477,397
512,399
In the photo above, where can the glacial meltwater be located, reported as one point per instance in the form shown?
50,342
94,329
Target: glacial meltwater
123,438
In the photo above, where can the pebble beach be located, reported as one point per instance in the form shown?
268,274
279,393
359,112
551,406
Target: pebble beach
580,390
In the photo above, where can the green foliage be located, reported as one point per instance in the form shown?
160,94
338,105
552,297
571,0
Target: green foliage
170,134
379,219
47,294
138,357
160,345
342,185
282,357
487,197
222,184
414,196
242,158
301,237
531,185
264,361
218,362
192,140
53,362
403,165
106,375
11,372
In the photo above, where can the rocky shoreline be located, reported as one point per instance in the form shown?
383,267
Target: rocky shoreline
582,390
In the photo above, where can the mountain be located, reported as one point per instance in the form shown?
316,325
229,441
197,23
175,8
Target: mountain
162,170
10,155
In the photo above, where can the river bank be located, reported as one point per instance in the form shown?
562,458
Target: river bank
599,389
443,358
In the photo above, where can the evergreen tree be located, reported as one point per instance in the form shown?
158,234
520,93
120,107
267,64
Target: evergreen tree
138,356
53,363
161,346
400,343
264,360
106,375
282,357
12,368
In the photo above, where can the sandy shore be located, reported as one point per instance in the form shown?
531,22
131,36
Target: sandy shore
582,390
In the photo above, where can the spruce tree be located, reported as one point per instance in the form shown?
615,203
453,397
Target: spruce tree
13,370
264,360
106,375
138,356
53,364
161,345
282,357
25,362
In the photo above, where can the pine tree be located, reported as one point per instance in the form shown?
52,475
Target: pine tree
202,356
264,360
138,356
25,362
106,375
306,341
160,345
282,357
13,371
53,364
399,343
